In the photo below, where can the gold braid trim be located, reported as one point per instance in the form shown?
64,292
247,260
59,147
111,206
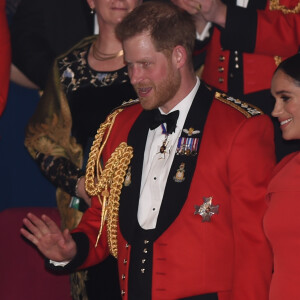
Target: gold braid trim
274,5
278,60
109,181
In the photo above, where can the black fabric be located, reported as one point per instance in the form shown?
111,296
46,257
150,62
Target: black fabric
90,105
140,268
211,296
42,30
103,275
240,29
169,119
60,171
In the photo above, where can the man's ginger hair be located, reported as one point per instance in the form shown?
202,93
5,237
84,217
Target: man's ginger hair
167,25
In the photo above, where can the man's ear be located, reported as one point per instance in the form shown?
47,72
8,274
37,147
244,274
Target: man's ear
179,56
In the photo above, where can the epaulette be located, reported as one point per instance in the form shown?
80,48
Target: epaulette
127,103
247,109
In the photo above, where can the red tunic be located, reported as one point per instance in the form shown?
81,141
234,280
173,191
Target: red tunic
228,255
282,226
277,37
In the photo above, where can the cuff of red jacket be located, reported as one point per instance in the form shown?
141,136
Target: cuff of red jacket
82,244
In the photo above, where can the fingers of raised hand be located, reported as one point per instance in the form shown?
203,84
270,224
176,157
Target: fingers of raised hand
36,228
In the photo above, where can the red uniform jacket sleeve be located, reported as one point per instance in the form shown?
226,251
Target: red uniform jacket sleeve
5,57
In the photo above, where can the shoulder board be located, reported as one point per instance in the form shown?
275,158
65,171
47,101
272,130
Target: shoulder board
127,103
245,108
130,102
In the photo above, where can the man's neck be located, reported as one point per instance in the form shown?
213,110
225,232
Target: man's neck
185,88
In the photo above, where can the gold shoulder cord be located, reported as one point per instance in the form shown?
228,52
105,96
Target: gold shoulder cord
108,182
275,5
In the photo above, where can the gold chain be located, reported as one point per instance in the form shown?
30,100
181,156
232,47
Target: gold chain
274,5
109,181
98,55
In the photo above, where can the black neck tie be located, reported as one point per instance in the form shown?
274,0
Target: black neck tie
170,119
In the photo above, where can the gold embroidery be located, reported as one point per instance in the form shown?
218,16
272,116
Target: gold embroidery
278,60
275,5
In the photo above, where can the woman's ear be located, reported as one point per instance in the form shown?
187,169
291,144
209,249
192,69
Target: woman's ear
179,56
91,4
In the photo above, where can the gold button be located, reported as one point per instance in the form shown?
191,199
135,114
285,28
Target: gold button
146,242
221,79
236,66
221,69
123,276
221,58
145,250
143,260
127,245
125,261
122,292
143,271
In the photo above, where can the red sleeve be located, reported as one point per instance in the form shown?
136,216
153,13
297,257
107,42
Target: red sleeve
90,225
251,162
5,57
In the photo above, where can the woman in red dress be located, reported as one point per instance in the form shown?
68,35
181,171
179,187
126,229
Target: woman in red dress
282,222
5,56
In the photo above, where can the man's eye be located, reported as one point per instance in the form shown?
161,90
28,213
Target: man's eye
285,98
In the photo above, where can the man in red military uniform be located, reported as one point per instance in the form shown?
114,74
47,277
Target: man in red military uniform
180,193
248,39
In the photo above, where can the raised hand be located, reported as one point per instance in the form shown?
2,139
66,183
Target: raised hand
210,10
49,239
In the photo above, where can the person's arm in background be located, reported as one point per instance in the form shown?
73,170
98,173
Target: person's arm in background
20,78
269,31
31,53
5,56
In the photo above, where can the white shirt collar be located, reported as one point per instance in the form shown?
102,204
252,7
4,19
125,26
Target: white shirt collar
184,106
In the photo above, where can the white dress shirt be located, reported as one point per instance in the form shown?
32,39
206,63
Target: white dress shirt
156,165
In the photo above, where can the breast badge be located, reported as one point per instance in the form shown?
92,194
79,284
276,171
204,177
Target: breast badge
207,209
179,176
191,131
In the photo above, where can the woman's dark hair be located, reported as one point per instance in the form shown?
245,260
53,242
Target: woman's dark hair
291,67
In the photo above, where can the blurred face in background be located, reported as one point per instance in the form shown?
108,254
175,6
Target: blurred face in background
112,11
287,107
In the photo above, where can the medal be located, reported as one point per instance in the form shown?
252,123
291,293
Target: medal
207,209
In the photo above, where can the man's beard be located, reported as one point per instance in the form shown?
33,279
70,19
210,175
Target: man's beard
163,91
